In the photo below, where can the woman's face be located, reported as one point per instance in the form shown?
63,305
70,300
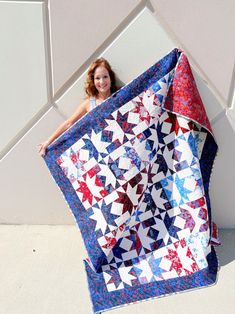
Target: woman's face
102,80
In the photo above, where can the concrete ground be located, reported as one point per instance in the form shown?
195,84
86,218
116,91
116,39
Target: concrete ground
41,272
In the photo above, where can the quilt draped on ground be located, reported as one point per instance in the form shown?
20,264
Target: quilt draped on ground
135,172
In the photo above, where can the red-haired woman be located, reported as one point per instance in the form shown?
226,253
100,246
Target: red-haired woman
100,84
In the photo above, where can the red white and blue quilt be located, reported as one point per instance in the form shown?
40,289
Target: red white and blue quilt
135,172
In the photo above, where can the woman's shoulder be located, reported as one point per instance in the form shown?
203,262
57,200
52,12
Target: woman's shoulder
86,103
88,99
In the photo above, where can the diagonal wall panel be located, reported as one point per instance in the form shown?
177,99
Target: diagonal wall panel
27,194
22,63
78,28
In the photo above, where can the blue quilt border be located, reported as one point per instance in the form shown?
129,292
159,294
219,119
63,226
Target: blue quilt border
103,300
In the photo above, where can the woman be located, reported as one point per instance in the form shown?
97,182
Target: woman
100,84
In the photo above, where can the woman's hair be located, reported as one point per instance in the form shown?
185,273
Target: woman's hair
90,88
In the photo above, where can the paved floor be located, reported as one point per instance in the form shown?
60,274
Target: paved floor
41,272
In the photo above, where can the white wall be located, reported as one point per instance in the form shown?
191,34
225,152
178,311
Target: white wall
23,68
45,70
206,31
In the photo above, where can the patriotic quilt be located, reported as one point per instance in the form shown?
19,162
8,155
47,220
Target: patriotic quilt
135,173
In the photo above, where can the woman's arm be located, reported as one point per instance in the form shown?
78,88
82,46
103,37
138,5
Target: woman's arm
80,111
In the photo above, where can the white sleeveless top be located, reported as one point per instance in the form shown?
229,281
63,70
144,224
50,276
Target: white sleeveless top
93,103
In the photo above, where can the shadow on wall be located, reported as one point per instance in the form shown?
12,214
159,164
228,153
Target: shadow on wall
119,82
222,179
221,188
226,251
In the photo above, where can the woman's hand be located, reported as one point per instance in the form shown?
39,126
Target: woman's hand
81,111
42,148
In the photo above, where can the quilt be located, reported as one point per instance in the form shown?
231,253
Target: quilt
135,172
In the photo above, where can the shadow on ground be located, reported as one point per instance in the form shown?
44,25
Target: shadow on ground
226,251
